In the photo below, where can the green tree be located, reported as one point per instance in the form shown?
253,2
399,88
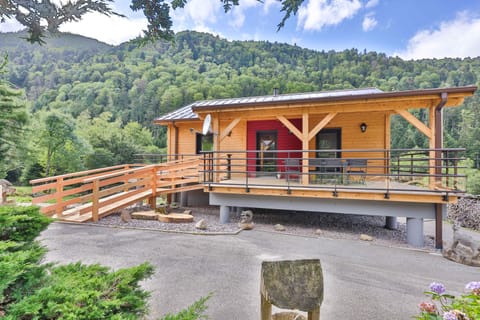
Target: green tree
58,143
13,117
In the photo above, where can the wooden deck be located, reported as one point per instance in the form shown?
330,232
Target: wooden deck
379,189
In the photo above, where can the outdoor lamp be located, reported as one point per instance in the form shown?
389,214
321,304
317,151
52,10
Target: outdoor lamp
363,127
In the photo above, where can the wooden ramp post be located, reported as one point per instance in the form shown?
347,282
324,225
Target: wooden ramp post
291,284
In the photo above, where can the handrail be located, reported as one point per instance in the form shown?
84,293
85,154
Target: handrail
113,187
436,171
80,173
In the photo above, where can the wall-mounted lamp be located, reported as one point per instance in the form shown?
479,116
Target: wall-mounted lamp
363,127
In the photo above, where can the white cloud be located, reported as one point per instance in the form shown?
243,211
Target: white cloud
195,15
113,30
267,4
10,25
320,13
372,3
237,14
456,38
369,22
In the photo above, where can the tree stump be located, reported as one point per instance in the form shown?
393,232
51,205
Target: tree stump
291,284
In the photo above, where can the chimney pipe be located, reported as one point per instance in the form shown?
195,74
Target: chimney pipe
275,92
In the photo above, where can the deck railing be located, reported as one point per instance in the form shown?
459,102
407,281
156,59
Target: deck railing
101,191
385,170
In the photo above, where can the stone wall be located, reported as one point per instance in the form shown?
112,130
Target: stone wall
466,212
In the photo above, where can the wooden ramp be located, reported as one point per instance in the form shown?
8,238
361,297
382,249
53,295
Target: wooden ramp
91,195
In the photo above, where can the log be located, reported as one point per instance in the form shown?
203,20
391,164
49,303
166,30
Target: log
175,218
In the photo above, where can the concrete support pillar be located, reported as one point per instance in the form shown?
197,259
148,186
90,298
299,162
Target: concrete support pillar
183,199
415,232
391,223
238,211
224,214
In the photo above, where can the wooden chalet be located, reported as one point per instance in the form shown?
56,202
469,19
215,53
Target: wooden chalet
324,152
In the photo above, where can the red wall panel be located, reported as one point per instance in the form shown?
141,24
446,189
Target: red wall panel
286,140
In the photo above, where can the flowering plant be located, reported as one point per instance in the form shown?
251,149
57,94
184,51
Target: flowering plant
447,307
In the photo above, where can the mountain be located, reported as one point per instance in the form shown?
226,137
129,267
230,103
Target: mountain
73,74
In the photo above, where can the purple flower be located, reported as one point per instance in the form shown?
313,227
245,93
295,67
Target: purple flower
473,286
450,315
437,287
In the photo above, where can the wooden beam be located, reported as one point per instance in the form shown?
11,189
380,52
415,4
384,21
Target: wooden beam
432,145
415,122
321,125
290,127
229,128
305,140
216,144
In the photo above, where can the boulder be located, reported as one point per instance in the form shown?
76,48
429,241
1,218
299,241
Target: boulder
319,232
125,216
279,227
201,225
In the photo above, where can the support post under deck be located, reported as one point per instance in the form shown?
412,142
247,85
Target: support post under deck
415,232
391,223
438,226
224,214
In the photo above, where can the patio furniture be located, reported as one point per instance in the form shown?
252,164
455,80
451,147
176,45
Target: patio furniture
329,170
291,284
292,169
356,168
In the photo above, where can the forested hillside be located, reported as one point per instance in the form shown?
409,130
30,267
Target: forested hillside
92,85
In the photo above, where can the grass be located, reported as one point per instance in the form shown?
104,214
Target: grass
22,194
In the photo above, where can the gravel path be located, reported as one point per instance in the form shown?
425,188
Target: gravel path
327,225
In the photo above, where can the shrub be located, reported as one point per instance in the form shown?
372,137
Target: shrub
21,271
78,291
194,312
21,223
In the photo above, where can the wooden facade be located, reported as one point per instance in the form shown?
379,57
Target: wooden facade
234,123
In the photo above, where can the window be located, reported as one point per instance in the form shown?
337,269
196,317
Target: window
329,139
204,143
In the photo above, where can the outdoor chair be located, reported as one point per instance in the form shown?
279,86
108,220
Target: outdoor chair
329,170
292,169
291,284
357,168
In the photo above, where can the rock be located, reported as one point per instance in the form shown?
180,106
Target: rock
246,225
201,225
6,188
319,232
246,218
366,237
279,227
125,216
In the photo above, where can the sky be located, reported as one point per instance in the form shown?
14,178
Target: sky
410,29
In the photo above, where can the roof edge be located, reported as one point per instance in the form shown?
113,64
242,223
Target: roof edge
393,94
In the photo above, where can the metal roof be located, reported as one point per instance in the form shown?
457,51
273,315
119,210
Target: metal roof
186,113
284,97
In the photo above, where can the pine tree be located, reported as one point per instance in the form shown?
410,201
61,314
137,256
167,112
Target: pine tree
13,117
